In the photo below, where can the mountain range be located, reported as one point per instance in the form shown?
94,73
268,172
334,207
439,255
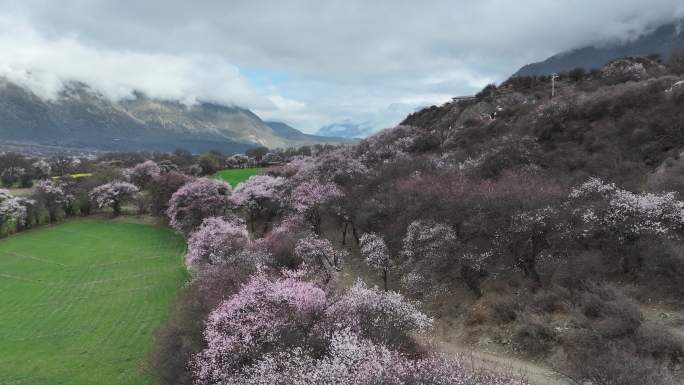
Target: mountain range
345,130
80,117
661,41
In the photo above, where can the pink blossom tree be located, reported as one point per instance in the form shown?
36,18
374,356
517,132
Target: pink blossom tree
377,255
217,241
280,242
351,360
340,166
383,317
308,199
53,196
142,173
260,194
197,200
319,254
113,195
285,331
266,315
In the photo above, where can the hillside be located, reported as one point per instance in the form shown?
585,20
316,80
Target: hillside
620,123
82,118
661,41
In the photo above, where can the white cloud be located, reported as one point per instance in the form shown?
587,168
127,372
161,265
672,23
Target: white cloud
351,60
46,65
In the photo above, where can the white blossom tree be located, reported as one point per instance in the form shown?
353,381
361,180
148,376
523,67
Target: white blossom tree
113,195
53,196
430,249
42,168
377,255
12,209
625,216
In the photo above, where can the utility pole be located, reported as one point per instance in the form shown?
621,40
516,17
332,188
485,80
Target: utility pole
554,76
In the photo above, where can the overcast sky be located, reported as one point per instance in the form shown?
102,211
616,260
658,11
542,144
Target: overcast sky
308,63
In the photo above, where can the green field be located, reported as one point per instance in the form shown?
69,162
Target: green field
81,300
234,176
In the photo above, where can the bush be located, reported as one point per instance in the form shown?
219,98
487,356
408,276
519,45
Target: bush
659,344
607,365
182,336
178,340
534,336
609,312
506,310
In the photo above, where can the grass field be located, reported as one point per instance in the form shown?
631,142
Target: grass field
234,176
81,300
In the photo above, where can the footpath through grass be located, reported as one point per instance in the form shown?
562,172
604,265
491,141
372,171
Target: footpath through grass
81,300
235,176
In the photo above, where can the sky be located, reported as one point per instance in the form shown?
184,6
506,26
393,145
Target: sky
309,63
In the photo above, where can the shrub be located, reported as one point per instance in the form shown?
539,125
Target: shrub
182,336
610,312
608,365
534,336
506,310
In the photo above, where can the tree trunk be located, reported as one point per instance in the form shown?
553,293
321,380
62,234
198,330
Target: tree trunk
316,221
471,277
268,220
384,278
344,233
355,234
116,209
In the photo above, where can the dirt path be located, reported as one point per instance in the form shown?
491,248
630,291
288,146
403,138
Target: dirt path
670,318
535,374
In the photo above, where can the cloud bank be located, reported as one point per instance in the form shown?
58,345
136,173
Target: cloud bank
45,66
324,61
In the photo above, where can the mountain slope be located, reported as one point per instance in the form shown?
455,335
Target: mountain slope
80,117
620,123
661,41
